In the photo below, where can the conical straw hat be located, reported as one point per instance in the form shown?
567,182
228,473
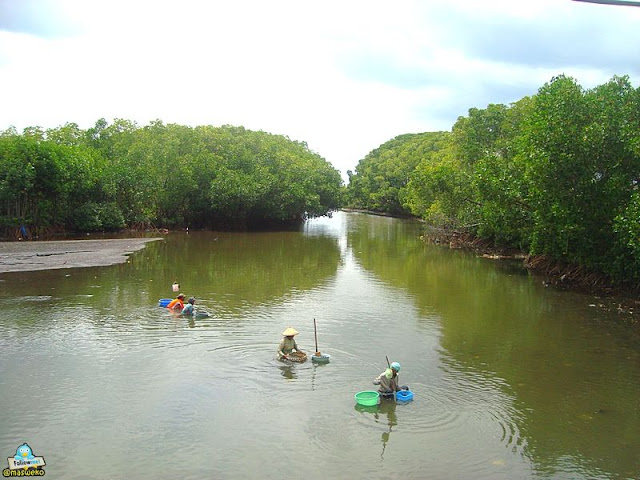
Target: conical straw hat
289,332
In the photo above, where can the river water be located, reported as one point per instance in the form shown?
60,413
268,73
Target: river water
512,379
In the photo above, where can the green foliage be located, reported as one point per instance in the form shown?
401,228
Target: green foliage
627,248
118,175
581,170
433,191
255,179
478,135
92,216
556,174
503,210
381,177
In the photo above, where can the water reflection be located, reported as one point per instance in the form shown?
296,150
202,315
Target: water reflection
383,413
550,370
512,380
317,369
288,371
228,276
388,408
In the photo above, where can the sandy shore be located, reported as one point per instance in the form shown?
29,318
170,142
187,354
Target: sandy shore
30,256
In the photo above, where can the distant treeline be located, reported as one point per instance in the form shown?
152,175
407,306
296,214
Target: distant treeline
556,174
116,176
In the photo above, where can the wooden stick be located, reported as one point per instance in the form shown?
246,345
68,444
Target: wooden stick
315,333
388,364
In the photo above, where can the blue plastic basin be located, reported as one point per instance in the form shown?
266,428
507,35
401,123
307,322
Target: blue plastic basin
163,302
404,396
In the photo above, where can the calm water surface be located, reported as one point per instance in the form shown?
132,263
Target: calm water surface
512,380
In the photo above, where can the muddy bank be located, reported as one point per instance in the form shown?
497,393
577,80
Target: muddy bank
47,255
380,214
550,271
626,299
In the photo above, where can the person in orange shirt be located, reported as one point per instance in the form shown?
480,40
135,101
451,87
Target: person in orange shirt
177,303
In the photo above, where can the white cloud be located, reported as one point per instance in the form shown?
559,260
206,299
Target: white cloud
342,76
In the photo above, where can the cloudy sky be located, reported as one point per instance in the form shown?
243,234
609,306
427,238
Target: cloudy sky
344,76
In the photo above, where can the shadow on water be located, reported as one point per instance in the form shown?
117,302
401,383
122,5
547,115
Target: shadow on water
385,413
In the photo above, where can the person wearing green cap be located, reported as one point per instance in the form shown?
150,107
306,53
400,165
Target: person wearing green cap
288,344
387,381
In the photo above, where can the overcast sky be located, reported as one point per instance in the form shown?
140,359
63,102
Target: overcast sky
344,76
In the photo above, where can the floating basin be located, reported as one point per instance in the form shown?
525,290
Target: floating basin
322,358
367,398
404,396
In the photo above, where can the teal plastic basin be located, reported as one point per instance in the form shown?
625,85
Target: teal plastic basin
324,358
367,398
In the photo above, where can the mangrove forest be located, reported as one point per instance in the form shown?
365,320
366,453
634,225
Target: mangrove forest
120,175
555,175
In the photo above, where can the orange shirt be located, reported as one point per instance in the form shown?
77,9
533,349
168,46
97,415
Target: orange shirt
176,304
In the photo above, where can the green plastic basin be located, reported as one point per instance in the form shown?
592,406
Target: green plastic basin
367,398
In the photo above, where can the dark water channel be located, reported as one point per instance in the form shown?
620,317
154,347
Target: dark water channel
512,380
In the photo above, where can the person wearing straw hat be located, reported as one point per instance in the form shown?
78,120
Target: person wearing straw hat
288,344
388,381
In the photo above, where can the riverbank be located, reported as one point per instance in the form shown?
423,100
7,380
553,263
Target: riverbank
380,214
48,255
550,273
